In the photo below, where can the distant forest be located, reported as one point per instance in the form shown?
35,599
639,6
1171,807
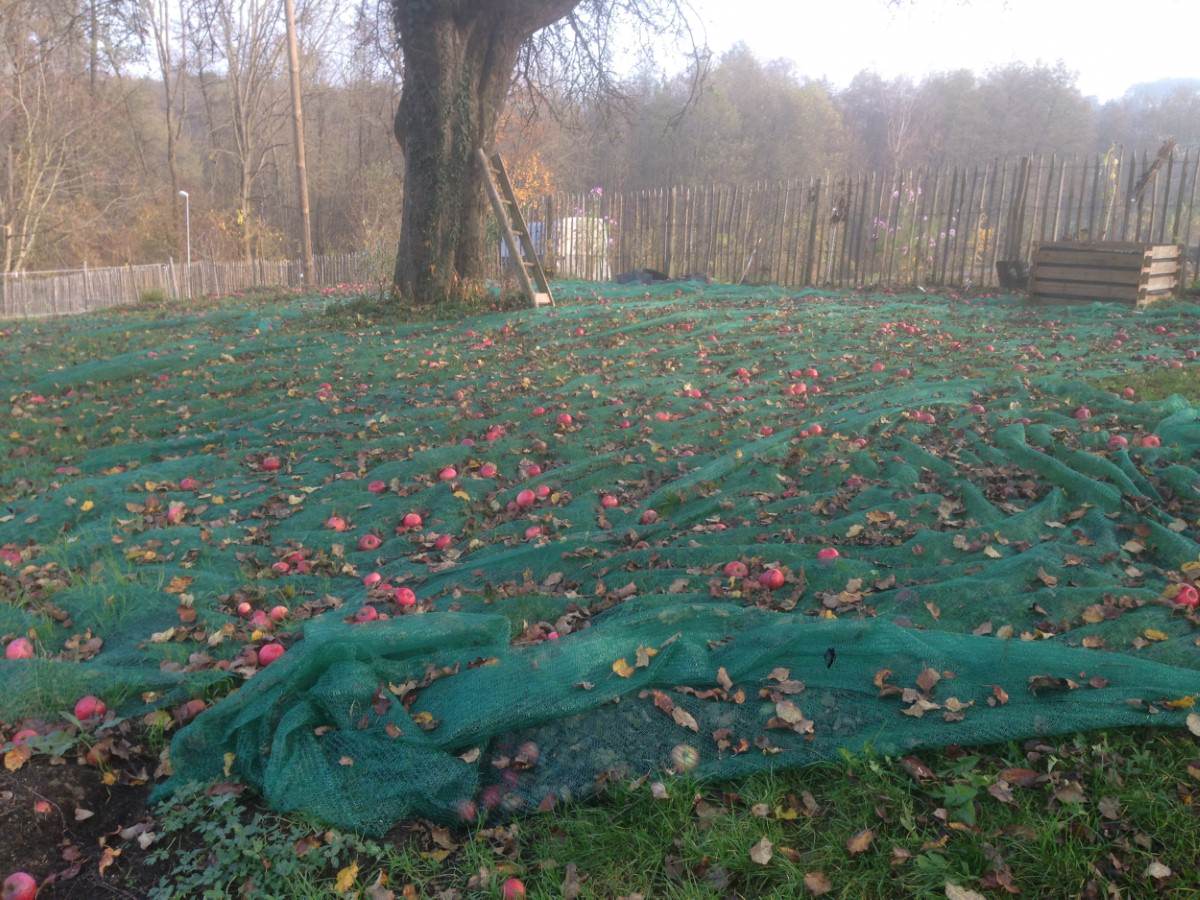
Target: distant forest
109,108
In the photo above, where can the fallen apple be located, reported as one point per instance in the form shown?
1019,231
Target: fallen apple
22,886
513,889
278,613
411,520
89,707
772,579
270,464
736,569
526,498
366,613
377,487
336,523
369,542
405,597
448,474
268,653
19,648
828,553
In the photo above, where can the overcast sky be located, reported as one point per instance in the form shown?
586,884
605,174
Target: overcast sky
1112,45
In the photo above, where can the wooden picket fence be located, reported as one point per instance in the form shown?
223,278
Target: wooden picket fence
939,226
67,292
933,227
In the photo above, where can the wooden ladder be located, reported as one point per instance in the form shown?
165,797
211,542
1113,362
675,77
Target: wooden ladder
516,234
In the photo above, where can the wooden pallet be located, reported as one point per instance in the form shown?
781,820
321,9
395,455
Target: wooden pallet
1124,271
521,251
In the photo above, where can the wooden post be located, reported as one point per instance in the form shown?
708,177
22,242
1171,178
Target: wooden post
289,10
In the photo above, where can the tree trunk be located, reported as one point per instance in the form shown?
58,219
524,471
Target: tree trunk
457,72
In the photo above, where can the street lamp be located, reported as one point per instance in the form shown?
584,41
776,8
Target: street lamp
187,220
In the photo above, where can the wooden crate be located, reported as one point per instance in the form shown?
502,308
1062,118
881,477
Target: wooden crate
1123,271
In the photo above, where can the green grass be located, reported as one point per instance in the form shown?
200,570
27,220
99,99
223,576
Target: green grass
1157,384
1103,809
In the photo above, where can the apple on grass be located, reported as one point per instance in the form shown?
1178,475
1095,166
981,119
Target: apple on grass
19,648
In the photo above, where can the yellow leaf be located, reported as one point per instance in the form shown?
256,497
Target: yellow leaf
1153,634
463,495
17,757
1182,703
87,506
346,878
229,758
622,668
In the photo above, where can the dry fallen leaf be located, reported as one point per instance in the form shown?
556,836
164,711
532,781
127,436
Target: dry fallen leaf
1193,723
817,883
954,892
622,668
346,878
860,842
762,852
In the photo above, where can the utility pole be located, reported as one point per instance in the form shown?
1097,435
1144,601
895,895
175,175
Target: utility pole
289,8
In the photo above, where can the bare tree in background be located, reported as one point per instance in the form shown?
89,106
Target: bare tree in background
460,59
155,27
246,37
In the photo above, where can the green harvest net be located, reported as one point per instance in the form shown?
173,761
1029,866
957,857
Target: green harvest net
1004,571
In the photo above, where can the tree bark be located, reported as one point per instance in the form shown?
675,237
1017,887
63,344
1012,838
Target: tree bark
458,64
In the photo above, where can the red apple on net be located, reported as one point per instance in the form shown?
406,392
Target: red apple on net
468,442
24,735
877,367
448,474
189,484
488,470
766,431
533,470
411,520
89,707
278,613
649,517
608,501
244,609
977,409
1083,413
811,373
366,613
736,569
372,579
526,498
1187,596
542,491
280,567
494,433
1151,440
377,487
1128,393
1116,442
19,648
369,542
336,523
513,889
772,579
268,653
538,411
259,619
828,553
443,541
22,886
270,464
565,420
533,531
815,430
